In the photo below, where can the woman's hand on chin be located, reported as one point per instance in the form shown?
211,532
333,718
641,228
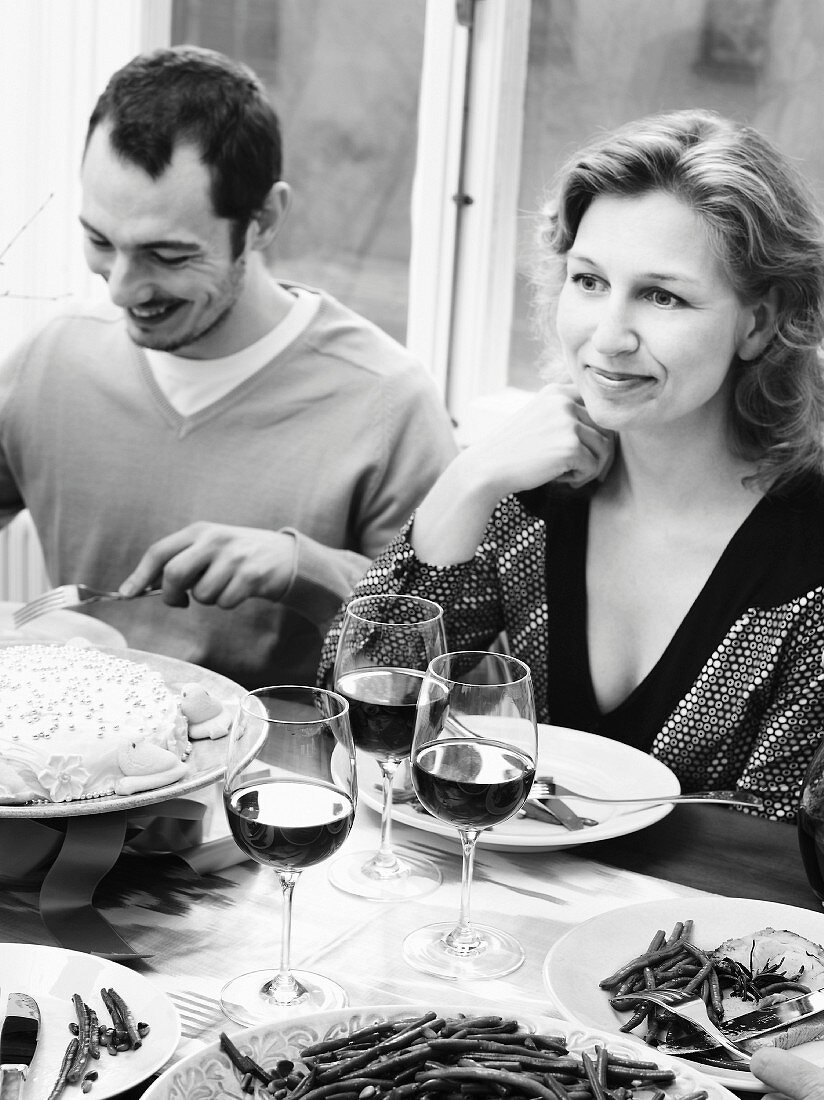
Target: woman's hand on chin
551,438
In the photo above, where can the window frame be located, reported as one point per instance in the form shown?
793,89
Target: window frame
463,262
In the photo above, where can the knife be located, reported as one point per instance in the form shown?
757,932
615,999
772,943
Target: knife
18,1042
555,809
755,1024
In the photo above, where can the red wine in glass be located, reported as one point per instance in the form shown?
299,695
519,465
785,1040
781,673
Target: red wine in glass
811,844
289,824
382,708
472,785
385,645
289,793
811,822
473,759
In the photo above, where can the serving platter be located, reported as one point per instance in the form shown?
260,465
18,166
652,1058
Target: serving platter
583,761
591,951
205,764
209,1075
57,626
52,976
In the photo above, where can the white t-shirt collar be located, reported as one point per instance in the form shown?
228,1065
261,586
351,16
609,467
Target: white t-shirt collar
190,385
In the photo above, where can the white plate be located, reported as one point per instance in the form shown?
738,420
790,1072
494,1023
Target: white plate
206,762
52,975
57,626
597,948
208,1074
583,761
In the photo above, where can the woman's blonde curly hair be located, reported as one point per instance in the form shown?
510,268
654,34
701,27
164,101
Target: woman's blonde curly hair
763,222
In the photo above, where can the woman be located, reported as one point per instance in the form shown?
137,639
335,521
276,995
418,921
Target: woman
650,534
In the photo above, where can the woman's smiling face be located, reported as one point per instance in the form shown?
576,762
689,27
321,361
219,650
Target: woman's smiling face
648,319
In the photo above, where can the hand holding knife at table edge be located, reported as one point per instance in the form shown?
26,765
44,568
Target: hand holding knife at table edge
18,1043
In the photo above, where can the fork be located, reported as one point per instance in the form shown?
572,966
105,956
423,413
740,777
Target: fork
70,595
686,1006
546,788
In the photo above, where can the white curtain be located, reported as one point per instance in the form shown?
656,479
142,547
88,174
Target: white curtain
55,57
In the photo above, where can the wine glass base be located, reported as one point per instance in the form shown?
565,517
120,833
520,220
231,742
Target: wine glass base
243,998
426,949
361,874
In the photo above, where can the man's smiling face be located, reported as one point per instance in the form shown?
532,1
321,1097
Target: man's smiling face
164,253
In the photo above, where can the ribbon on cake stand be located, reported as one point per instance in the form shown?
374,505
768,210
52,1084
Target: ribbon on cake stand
79,851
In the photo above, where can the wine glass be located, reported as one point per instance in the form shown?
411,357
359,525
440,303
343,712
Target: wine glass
473,763
386,643
290,794
811,822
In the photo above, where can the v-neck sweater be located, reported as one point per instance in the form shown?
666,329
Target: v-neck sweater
737,699
335,440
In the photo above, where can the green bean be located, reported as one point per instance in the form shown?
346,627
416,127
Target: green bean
700,977
624,1073
595,1083
522,1083
677,932
647,959
629,1063
369,1033
482,1023
65,1065
784,987
396,1063
128,1019
498,1058
81,1058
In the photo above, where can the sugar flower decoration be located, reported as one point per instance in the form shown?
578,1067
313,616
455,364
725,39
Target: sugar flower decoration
64,777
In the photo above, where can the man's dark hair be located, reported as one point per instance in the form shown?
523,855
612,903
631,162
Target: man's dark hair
186,94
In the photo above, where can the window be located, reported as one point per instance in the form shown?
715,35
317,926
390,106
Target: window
344,78
593,64
392,106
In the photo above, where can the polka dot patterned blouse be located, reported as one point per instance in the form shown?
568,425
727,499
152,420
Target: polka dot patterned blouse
738,696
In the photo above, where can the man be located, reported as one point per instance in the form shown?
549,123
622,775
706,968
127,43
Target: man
246,442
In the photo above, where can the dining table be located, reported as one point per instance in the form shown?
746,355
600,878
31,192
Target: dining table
196,927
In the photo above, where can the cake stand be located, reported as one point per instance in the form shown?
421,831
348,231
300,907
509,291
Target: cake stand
85,838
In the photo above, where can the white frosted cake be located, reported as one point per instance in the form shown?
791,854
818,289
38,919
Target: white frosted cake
79,723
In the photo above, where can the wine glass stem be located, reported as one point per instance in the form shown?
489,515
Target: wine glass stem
464,939
385,857
283,988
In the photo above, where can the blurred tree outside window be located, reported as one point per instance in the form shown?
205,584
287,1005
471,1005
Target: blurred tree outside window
344,79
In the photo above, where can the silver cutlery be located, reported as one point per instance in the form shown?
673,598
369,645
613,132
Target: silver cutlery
686,1007
546,787
551,810
18,1042
555,812
70,595
751,1025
